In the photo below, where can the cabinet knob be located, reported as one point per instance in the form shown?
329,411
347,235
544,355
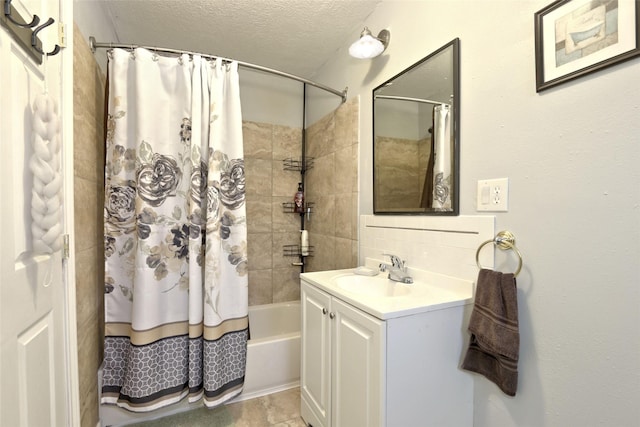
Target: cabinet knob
324,310
332,315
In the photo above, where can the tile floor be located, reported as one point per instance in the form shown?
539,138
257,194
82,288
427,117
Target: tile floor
274,410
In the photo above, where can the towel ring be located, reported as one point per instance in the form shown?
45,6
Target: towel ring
503,240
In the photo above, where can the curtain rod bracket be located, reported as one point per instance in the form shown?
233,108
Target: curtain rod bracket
344,94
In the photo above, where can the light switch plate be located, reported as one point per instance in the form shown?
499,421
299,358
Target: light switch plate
493,195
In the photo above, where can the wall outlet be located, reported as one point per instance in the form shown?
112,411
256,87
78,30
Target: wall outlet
493,195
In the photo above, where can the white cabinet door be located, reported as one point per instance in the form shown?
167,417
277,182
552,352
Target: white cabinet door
357,367
315,366
341,377
32,299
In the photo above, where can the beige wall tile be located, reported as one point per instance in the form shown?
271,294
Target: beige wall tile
269,185
344,253
323,219
343,215
332,185
321,137
286,284
287,142
88,201
259,246
285,182
257,139
260,287
88,362
280,260
259,217
89,286
258,177
322,177
284,221
324,252
346,124
86,212
345,170
354,218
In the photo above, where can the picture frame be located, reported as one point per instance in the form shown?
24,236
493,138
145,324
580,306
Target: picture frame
574,38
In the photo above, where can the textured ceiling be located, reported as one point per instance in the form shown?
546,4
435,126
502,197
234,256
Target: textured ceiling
294,36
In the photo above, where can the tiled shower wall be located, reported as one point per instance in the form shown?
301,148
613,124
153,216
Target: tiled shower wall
88,184
332,185
400,171
272,278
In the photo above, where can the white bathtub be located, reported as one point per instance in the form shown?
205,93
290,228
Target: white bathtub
273,362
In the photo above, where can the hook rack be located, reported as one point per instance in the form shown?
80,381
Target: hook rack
7,12
34,39
26,33
504,240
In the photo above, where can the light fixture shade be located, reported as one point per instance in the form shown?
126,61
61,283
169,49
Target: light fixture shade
367,46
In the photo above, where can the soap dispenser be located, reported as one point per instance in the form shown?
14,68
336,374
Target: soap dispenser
298,200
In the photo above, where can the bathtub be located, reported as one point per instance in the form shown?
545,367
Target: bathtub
273,363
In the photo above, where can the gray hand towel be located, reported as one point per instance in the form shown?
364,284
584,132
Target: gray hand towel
495,340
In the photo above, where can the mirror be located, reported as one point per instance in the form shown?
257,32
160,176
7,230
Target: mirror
416,139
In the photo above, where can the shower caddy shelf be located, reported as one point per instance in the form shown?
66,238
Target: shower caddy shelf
296,251
299,165
289,207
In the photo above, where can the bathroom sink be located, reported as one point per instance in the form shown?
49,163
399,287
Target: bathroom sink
386,299
377,286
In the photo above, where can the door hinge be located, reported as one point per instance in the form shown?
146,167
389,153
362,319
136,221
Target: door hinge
65,246
62,34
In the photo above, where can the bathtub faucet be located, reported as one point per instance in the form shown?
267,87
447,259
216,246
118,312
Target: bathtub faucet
398,271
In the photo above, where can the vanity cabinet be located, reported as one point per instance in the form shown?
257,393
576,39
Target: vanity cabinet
341,362
361,371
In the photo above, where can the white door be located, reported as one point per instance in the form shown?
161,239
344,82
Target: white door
34,373
357,345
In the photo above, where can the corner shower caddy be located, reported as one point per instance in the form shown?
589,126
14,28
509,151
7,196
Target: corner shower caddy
298,165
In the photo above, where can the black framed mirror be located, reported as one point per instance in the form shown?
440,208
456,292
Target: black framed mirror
416,148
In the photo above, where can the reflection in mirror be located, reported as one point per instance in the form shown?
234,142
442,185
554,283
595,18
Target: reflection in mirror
416,150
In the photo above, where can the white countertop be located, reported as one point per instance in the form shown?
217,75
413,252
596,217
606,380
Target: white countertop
429,292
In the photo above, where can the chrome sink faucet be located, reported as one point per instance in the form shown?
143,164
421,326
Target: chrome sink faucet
398,271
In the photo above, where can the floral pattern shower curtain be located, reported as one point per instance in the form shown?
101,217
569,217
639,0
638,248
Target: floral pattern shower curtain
175,232
442,152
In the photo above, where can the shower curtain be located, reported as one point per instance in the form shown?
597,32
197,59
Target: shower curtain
442,152
174,231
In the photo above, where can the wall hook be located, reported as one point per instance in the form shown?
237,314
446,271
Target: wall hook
7,14
34,38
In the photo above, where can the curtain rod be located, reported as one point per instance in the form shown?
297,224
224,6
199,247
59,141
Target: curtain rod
404,98
98,45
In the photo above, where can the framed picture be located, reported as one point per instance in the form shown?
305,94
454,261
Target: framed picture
577,37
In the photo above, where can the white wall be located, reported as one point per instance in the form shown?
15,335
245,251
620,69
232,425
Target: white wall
93,20
572,156
267,98
400,119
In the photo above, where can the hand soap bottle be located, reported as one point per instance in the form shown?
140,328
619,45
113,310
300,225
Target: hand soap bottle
298,200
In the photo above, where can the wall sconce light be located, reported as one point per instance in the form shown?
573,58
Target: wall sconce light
367,46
